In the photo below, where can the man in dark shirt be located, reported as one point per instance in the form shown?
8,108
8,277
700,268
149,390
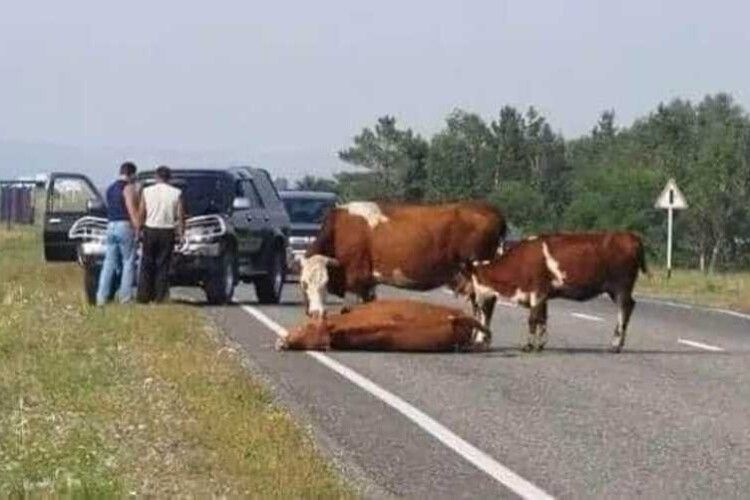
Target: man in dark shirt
122,231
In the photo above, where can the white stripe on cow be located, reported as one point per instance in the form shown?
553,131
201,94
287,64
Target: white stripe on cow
554,267
368,210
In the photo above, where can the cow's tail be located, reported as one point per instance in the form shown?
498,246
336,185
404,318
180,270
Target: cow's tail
642,259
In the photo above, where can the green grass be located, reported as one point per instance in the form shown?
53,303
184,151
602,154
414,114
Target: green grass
730,290
132,399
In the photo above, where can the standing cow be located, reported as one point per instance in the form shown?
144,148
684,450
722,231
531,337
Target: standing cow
417,247
570,266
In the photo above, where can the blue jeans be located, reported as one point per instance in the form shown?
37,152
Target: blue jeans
121,253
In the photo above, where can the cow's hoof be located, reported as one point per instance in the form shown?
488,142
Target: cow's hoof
616,348
281,345
481,346
540,348
527,348
345,310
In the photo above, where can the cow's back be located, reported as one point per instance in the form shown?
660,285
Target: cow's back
407,245
422,246
593,260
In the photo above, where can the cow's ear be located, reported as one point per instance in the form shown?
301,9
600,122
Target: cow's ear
330,261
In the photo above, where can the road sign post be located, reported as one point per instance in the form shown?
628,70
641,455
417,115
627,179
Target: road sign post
670,199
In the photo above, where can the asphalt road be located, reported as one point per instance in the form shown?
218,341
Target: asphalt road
667,418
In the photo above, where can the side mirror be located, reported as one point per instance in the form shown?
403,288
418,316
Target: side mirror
95,206
241,203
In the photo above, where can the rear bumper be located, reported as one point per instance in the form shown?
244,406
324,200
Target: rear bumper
199,250
189,267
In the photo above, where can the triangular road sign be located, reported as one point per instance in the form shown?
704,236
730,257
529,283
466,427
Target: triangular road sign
671,197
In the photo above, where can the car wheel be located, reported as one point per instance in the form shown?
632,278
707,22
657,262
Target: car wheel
268,288
222,278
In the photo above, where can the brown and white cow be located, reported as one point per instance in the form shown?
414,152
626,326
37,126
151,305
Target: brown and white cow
386,325
417,247
571,266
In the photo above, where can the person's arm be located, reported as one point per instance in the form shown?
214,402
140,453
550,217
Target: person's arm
180,217
142,212
131,204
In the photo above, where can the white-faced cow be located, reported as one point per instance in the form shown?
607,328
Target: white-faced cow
387,325
417,247
571,266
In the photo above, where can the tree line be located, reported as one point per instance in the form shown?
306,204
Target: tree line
607,179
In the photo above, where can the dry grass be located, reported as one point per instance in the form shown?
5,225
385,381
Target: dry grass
131,399
729,290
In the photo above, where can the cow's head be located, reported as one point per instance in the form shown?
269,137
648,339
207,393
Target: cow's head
313,335
462,283
313,279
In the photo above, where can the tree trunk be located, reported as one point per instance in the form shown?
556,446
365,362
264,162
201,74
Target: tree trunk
702,261
714,256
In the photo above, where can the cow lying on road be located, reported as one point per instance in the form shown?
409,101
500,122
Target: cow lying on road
417,247
386,325
571,266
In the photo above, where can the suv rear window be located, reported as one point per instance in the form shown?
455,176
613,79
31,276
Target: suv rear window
308,210
201,194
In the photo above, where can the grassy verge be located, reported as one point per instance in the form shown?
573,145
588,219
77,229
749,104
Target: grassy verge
131,399
730,290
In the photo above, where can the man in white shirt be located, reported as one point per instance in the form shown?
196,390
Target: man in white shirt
163,220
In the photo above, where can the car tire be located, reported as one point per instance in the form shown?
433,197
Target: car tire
269,286
221,280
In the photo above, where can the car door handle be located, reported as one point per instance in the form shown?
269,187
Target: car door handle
54,221
249,217
266,218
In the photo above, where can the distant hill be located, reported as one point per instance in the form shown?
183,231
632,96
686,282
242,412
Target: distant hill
100,164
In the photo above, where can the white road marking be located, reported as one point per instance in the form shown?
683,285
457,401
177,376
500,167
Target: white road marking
589,317
700,345
728,312
731,313
667,303
469,452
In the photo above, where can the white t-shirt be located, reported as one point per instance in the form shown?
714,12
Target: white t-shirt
161,205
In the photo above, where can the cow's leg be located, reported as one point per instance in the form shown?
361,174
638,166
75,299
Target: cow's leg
368,294
541,325
361,296
349,300
626,304
483,308
531,333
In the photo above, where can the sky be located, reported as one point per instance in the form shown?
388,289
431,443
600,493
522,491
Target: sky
291,83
